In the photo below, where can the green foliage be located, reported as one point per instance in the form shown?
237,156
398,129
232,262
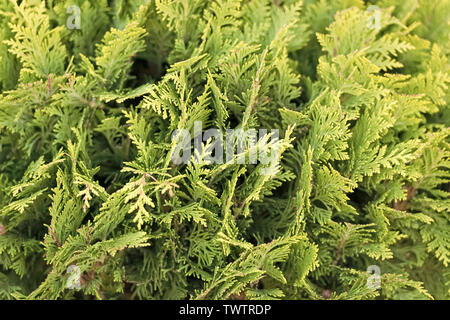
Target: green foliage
86,172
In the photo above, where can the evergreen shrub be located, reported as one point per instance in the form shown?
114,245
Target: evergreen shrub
92,205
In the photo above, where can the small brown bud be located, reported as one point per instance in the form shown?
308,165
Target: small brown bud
2,230
326,294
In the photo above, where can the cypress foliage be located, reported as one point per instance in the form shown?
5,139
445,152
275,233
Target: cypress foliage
93,207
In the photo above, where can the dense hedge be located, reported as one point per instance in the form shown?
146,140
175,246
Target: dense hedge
98,199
